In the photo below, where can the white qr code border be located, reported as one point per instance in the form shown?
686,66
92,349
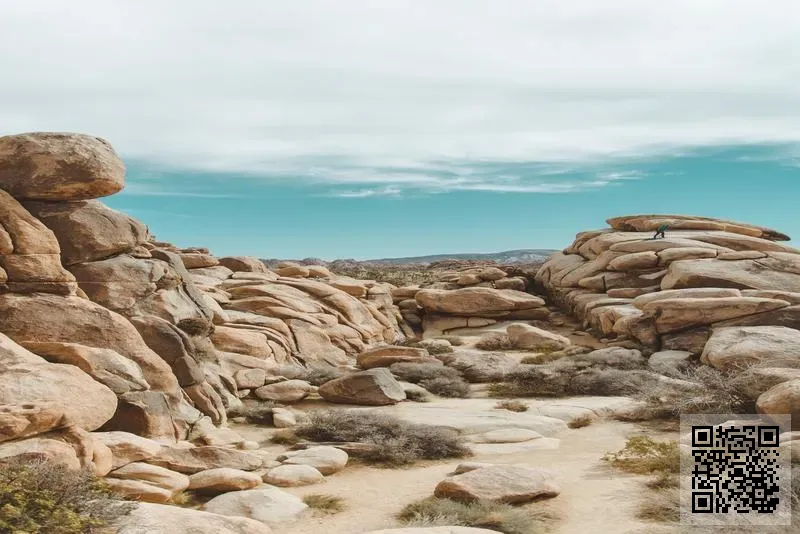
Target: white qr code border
737,460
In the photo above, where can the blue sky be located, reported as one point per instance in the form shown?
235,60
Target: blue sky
291,216
401,127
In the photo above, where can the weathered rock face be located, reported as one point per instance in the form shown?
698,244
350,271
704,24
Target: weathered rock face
59,166
705,274
478,301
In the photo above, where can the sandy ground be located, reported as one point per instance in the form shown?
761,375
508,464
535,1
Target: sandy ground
594,498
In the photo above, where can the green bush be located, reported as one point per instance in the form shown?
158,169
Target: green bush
42,498
394,441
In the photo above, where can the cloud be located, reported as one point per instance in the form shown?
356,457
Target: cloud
365,193
414,95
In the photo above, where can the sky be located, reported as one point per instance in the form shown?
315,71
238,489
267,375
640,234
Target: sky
355,129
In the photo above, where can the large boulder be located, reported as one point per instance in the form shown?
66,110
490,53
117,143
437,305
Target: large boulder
783,399
479,366
88,230
223,479
742,274
152,475
325,459
376,387
191,460
59,166
293,475
675,314
733,347
268,505
243,264
502,483
476,301
525,336
286,391
127,448
69,395
149,518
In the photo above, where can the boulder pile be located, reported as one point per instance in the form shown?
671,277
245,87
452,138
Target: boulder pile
727,293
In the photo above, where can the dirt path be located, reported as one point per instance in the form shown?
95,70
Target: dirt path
593,498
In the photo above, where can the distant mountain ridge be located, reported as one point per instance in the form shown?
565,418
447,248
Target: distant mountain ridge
509,256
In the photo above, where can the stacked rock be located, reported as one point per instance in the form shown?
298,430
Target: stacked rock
706,282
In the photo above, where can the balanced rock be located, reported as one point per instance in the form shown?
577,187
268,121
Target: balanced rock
59,166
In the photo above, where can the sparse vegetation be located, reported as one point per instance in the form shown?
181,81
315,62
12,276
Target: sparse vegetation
644,456
512,406
662,506
416,395
432,348
495,342
328,504
316,376
580,421
488,515
438,379
455,341
395,442
41,497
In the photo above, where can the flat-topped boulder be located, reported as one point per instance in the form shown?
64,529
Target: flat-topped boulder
502,483
649,223
476,301
376,387
59,166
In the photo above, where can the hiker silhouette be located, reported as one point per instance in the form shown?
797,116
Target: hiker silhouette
660,231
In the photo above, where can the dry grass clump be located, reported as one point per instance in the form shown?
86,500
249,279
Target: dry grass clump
580,421
495,342
394,441
455,341
432,348
512,405
328,504
39,497
316,375
438,379
644,456
417,395
432,512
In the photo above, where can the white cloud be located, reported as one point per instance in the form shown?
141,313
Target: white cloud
266,86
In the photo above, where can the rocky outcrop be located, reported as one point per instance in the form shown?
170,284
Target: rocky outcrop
672,293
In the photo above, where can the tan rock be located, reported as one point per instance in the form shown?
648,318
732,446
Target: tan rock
198,261
782,399
679,313
757,380
139,491
634,261
29,419
127,448
250,378
491,274
195,459
287,391
386,356
88,230
268,504
243,264
649,223
327,460
222,480
701,292
40,449
248,342
743,274
149,518
734,347
108,367
152,475
59,166
63,390
669,255
376,387
289,475
502,483
529,337
294,271
475,301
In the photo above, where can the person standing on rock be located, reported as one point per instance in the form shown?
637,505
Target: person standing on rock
660,231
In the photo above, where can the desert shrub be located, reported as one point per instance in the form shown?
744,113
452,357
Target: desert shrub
512,406
580,421
644,456
447,386
395,442
260,414
41,497
433,349
495,342
544,357
417,395
662,506
328,504
488,515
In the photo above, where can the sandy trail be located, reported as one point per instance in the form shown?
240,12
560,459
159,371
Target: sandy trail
593,499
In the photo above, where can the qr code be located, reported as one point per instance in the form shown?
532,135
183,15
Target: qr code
735,467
